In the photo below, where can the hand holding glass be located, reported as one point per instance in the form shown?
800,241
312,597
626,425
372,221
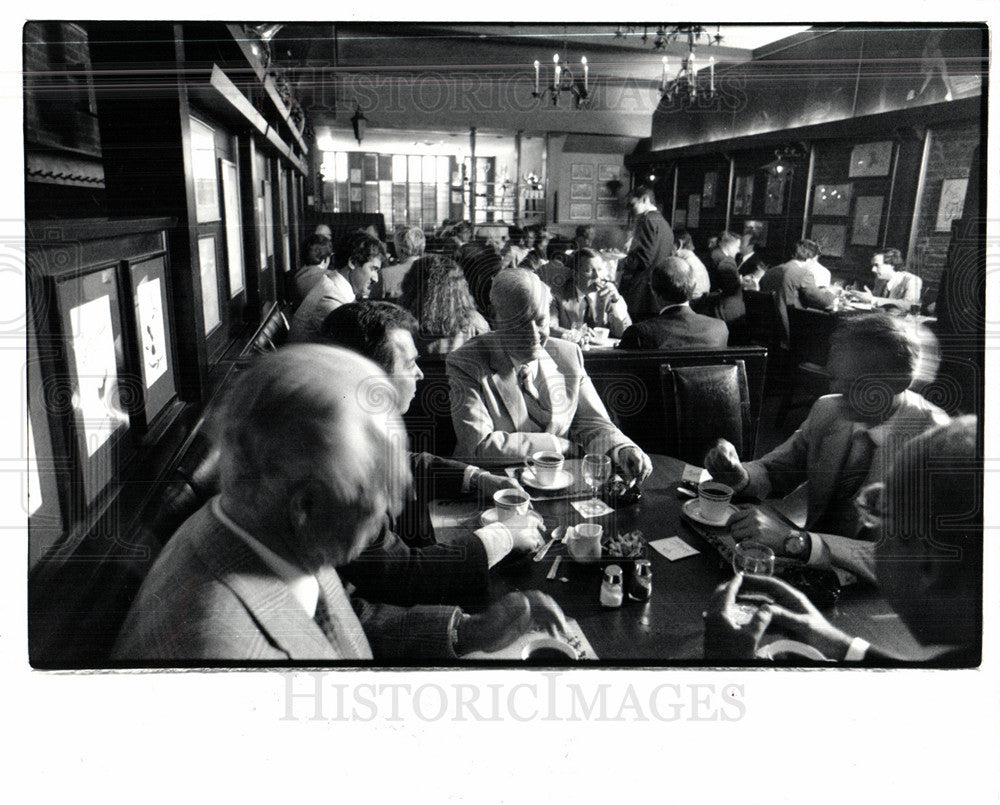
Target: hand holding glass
751,559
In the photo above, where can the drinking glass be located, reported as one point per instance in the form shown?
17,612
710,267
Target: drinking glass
596,470
751,559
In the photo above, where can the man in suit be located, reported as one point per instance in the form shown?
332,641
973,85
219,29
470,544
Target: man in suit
676,326
894,286
748,263
725,300
309,464
358,258
847,441
652,243
928,561
316,255
515,391
795,283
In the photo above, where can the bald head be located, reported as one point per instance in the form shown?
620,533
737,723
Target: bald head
309,452
672,281
520,302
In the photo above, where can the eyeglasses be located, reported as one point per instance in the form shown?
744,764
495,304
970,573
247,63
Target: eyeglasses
870,503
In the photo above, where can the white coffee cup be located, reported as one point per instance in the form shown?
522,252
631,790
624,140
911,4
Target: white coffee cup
713,501
583,542
601,335
546,465
511,503
548,649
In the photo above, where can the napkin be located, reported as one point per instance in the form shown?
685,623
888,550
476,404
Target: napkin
673,548
601,508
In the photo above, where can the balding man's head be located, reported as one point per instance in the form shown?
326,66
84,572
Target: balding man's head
311,454
520,302
672,281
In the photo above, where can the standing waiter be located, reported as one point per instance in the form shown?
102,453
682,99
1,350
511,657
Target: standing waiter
652,243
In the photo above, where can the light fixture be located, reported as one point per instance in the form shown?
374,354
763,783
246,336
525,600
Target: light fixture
668,34
784,160
563,81
358,123
683,86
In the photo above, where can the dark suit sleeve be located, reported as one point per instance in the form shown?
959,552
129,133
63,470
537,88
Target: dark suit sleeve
811,295
727,278
390,572
631,338
436,477
406,633
643,246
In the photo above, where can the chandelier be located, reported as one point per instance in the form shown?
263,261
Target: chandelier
563,80
667,34
684,86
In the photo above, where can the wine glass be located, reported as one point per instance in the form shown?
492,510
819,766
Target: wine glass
596,470
751,559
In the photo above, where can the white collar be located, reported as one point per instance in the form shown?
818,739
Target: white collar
674,305
303,586
337,278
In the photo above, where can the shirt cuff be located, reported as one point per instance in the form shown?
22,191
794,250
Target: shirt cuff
470,474
497,540
816,546
857,650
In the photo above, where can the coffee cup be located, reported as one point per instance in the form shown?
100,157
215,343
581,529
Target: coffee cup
511,503
600,335
583,542
545,464
548,651
713,501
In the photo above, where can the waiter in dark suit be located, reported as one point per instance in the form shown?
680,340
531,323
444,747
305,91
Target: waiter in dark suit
676,326
652,243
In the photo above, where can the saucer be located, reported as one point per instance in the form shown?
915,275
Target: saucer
490,516
693,510
792,647
563,479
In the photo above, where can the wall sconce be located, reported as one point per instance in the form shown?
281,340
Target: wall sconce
358,123
784,159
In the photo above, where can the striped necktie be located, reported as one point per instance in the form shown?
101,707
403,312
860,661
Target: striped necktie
336,619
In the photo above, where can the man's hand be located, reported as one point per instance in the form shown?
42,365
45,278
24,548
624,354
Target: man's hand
607,293
634,463
528,532
861,296
728,635
723,464
792,612
507,620
758,525
489,484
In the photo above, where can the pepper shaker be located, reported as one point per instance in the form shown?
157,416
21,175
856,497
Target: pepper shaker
640,582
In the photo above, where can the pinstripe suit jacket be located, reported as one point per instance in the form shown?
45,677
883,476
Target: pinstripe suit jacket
489,414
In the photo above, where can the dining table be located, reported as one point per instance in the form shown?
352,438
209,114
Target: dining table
668,629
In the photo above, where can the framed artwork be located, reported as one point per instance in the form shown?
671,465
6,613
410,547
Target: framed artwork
759,228
355,174
867,217
356,194
830,237
206,184
581,211
153,337
871,159
951,204
209,283
269,219
607,212
91,327
831,199
694,211
606,191
680,220
582,172
708,189
234,228
607,173
743,195
582,190
774,199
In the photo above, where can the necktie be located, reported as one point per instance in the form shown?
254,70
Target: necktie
336,619
527,382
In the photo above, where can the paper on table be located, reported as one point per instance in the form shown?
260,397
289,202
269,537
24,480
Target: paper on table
673,548
695,475
601,509
574,636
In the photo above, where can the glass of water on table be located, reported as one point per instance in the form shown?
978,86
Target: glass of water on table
751,559
596,471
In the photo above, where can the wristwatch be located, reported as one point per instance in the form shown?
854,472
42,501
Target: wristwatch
797,544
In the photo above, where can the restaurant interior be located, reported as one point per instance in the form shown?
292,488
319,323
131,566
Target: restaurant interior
169,190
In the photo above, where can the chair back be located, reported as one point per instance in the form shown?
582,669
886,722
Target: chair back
763,322
703,404
809,334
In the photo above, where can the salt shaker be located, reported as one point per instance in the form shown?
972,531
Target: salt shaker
611,588
640,582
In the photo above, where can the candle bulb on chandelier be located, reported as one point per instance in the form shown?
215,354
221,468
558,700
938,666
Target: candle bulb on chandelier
586,72
556,71
693,74
537,65
711,74
663,79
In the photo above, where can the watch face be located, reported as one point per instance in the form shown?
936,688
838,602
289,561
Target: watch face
795,545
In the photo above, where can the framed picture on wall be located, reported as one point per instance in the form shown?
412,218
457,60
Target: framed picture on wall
743,195
607,173
581,190
830,237
606,190
680,220
206,184
867,217
234,228
871,159
582,172
774,198
951,204
759,228
606,211
694,211
581,211
708,189
831,199
209,283
148,281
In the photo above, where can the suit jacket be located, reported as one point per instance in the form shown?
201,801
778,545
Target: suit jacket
726,298
749,265
489,413
209,596
677,328
907,288
796,287
329,293
652,243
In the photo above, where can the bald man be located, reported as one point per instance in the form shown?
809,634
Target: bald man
515,391
310,462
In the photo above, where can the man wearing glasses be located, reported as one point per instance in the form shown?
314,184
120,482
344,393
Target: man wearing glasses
848,441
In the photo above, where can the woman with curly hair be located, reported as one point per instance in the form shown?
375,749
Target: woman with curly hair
436,292
410,245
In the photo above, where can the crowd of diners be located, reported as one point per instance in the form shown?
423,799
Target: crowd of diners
317,546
